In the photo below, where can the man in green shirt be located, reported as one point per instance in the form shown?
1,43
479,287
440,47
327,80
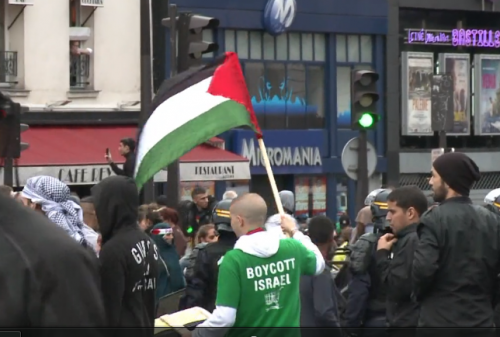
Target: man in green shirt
259,279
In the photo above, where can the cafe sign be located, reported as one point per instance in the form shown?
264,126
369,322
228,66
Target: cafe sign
22,2
92,3
482,38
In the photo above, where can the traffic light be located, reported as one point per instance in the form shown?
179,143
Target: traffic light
364,97
11,128
191,46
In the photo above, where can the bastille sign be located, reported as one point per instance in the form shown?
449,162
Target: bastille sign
484,38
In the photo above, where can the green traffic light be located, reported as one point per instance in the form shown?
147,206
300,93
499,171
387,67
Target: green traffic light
366,120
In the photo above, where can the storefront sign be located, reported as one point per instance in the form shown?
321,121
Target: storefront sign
289,152
279,16
93,174
22,2
215,171
457,37
92,3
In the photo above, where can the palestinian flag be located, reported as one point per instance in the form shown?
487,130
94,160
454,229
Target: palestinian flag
191,108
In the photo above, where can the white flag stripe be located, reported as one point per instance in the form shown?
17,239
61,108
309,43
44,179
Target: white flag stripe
174,113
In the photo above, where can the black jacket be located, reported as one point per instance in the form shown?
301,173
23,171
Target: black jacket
191,216
128,166
201,287
456,264
129,258
367,295
318,300
402,311
47,279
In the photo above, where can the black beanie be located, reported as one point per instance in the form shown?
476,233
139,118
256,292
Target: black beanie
458,171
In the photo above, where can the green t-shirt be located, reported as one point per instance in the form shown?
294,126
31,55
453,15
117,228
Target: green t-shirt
265,291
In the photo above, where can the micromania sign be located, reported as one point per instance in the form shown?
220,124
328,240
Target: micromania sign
483,38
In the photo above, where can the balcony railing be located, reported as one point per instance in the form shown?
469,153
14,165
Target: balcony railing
8,66
79,70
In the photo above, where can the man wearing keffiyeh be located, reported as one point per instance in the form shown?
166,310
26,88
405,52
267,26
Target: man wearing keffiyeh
52,197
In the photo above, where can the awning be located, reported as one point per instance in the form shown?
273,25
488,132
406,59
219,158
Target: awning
75,155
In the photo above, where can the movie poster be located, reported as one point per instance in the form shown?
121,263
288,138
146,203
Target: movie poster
487,95
416,90
442,103
458,66
319,195
302,189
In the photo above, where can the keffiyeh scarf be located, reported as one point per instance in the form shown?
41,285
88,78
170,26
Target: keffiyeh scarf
54,198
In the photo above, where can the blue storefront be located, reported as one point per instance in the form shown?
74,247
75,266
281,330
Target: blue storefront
297,57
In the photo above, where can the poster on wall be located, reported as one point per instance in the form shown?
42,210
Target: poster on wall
417,71
188,187
442,102
319,195
302,189
458,66
487,95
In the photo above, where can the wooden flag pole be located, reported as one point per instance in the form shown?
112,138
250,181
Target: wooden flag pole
270,175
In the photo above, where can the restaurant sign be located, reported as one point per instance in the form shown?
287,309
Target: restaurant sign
483,38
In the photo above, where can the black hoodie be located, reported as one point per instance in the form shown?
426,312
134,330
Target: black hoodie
47,279
128,257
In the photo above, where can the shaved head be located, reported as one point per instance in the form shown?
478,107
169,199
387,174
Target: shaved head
248,211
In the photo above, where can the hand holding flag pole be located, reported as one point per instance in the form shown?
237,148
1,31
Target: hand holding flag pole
269,171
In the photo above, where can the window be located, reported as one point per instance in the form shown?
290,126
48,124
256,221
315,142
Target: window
310,195
256,45
284,75
352,51
79,46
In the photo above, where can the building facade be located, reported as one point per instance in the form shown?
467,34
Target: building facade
297,62
459,41
76,65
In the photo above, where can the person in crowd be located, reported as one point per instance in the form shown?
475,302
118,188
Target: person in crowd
48,279
129,258
394,257
195,213
126,150
366,301
89,217
229,195
363,224
259,280
302,222
148,216
206,234
6,191
201,284
273,223
51,197
170,216
456,263
170,278
161,201
492,203
318,294
342,252
343,223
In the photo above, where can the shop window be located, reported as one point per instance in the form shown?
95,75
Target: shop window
310,195
188,187
354,48
287,95
257,45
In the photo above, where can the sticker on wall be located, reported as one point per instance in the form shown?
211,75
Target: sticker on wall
279,16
